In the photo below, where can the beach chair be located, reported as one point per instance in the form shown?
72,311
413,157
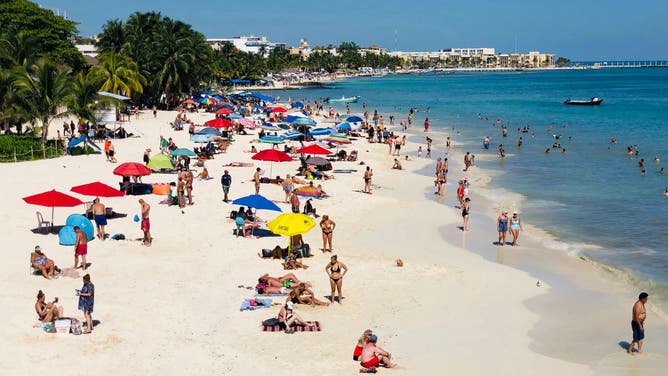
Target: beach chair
41,223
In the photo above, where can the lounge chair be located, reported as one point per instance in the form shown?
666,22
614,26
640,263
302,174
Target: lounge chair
41,223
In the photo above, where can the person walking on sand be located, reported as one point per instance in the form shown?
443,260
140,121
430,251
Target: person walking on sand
180,189
639,314
333,270
80,248
461,192
189,186
256,180
368,174
145,222
287,187
515,227
327,226
373,356
226,181
294,201
100,216
112,152
86,301
502,226
467,161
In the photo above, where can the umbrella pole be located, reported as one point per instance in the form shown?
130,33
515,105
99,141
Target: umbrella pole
52,208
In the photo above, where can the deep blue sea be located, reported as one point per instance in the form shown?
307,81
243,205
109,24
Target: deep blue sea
593,194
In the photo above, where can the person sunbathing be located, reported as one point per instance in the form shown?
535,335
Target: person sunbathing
39,261
278,282
303,295
47,312
289,318
204,174
263,288
292,263
321,191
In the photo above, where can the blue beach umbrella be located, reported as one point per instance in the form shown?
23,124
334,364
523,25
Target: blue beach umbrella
298,105
182,152
345,126
354,119
291,135
257,202
234,116
322,132
271,140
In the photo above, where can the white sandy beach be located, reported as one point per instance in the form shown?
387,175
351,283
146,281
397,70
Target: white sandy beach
173,308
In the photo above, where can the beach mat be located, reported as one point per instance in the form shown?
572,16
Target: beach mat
246,306
344,171
298,328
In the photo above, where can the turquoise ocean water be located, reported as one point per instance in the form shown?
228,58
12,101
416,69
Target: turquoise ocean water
594,194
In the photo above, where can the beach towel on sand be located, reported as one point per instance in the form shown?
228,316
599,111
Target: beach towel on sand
297,328
246,304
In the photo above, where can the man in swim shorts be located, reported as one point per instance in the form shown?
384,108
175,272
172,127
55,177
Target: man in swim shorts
226,181
638,323
145,222
100,216
373,356
80,248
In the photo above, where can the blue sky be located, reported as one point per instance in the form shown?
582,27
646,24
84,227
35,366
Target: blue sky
578,29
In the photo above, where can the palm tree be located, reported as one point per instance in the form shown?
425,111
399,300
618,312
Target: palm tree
117,74
8,93
43,91
19,49
85,92
113,37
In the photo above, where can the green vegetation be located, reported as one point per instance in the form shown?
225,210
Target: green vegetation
26,148
562,62
43,77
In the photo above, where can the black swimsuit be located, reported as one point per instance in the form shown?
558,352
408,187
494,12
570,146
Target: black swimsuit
332,271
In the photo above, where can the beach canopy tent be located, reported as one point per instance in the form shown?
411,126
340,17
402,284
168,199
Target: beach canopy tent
67,236
201,138
314,150
257,202
182,152
52,199
97,189
219,123
291,135
271,140
262,97
209,130
160,162
132,169
72,143
354,119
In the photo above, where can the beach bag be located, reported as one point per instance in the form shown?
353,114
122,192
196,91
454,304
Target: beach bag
75,327
266,253
233,214
118,237
271,322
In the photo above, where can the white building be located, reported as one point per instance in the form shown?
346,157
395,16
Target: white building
470,52
250,43
87,49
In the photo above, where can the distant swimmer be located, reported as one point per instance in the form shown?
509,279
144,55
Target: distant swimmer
662,171
665,192
638,323
656,159
613,141
519,142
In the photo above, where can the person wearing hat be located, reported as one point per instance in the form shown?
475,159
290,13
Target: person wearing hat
226,181
502,226
45,265
373,356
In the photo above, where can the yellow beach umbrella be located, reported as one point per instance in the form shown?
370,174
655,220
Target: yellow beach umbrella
290,224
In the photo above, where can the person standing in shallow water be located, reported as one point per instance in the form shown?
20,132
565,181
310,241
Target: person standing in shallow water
502,225
639,314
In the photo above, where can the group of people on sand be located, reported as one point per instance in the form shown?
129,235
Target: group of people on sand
48,312
370,355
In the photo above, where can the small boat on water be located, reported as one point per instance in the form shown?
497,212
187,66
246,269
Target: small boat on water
343,100
591,102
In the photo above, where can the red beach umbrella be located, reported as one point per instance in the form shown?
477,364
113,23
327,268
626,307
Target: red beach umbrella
97,189
278,109
314,149
52,199
132,169
219,123
224,111
271,155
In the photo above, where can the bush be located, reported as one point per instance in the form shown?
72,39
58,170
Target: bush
26,148
79,150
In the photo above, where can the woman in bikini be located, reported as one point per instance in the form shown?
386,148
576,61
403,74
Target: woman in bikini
466,210
287,187
303,295
180,189
288,317
47,312
440,180
327,226
333,270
